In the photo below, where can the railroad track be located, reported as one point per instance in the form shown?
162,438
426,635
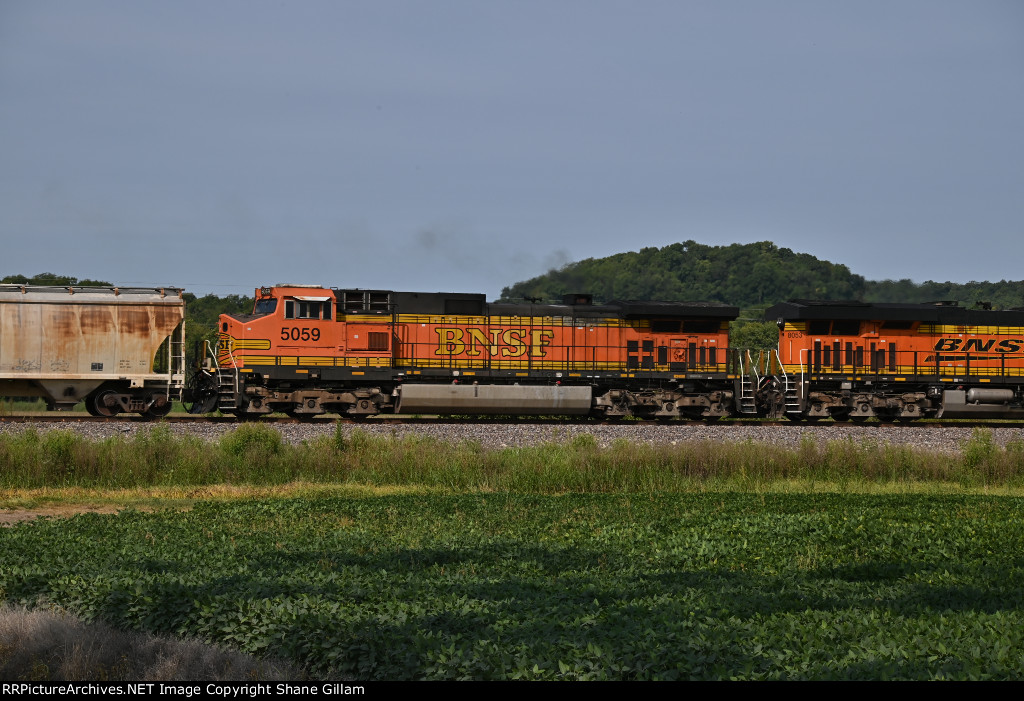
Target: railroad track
384,420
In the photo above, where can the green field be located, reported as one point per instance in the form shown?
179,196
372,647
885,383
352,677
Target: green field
556,562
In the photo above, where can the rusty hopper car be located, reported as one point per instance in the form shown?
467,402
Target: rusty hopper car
117,349
854,360
309,350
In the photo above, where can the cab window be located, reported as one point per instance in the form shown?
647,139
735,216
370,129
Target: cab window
265,306
301,309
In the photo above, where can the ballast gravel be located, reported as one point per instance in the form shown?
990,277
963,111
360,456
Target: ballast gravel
946,439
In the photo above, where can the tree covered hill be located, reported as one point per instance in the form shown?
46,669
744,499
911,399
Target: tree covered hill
745,275
753,275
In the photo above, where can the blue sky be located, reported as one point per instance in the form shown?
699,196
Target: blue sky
463,146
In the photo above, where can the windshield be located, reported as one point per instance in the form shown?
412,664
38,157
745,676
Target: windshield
265,306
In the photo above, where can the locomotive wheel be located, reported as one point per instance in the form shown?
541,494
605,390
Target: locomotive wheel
97,406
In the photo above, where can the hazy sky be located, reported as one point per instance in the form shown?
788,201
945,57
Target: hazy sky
463,146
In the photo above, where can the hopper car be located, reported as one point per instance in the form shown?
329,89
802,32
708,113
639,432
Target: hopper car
855,360
118,349
311,350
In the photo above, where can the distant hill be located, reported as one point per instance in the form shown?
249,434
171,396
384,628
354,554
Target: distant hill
746,275
753,275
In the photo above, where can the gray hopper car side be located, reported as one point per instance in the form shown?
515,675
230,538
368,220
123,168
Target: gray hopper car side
97,344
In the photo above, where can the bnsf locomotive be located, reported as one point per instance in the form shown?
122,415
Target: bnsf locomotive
308,350
852,360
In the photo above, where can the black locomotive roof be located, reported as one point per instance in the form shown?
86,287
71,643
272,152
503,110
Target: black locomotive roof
471,304
935,312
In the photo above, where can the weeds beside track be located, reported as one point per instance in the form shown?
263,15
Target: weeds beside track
255,454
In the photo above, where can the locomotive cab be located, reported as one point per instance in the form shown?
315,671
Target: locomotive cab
287,321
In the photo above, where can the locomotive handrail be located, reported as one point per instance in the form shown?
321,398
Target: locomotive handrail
752,366
211,353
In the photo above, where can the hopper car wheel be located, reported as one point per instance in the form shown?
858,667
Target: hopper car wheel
97,405
841,416
158,410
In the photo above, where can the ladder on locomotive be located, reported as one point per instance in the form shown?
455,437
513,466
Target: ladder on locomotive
227,389
747,403
791,390
227,380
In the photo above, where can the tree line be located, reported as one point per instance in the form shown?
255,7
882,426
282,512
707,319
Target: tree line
752,276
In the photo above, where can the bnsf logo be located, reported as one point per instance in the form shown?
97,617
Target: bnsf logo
508,343
979,346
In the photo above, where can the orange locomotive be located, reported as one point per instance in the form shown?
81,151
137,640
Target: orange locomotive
854,360
309,350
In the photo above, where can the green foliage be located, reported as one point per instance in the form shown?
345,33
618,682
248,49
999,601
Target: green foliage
202,315
252,440
746,275
52,279
1001,295
750,333
255,454
570,586
741,274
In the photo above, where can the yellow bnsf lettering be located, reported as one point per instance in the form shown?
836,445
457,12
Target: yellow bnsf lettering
513,338
477,336
508,343
449,342
537,346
